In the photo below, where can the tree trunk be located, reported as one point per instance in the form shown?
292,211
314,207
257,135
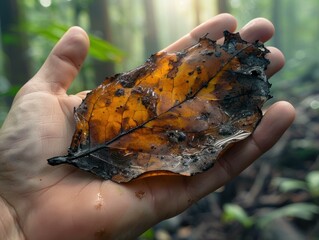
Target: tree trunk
150,39
100,26
14,44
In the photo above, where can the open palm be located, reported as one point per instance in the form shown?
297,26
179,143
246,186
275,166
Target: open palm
38,201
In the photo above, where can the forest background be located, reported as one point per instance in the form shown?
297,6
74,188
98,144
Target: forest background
277,197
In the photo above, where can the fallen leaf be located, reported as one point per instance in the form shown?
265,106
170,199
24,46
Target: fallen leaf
177,113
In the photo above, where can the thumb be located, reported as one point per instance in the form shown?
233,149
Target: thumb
63,63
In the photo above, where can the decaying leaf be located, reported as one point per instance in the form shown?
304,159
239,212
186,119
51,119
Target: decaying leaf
176,113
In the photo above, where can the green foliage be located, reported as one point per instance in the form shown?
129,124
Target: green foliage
103,50
289,184
310,184
302,210
234,212
305,211
148,235
99,48
11,92
312,180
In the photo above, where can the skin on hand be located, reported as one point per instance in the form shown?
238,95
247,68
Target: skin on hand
63,202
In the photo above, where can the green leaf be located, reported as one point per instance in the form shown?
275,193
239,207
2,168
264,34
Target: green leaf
11,92
234,212
147,235
9,39
99,48
313,183
104,51
304,211
289,184
50,31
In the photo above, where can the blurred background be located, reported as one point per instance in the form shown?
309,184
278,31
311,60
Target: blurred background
278,196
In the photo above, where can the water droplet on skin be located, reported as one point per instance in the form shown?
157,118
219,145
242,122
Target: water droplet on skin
99,201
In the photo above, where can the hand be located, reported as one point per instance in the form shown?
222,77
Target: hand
38,201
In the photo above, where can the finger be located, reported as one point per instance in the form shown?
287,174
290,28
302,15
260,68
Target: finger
259,29
64,62
277,61
275,122
214,27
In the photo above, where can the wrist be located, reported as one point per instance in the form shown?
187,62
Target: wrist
9,227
